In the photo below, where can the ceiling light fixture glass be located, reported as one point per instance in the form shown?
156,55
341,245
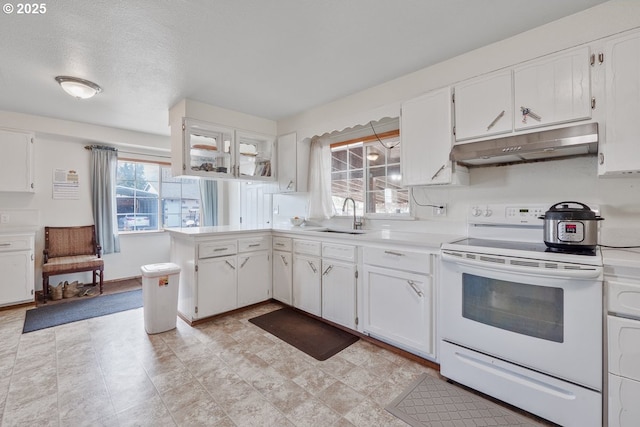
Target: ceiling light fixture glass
373,156
78,88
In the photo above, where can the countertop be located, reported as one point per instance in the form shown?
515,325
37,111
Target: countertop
429,240
621,257
219,230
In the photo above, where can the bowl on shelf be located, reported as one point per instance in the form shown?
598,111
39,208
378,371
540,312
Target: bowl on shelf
297,221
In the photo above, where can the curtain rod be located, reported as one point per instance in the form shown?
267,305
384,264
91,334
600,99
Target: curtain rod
106,147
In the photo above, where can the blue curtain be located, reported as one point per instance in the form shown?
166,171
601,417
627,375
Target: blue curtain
208,202
104,161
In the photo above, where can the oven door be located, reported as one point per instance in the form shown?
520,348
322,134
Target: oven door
546,321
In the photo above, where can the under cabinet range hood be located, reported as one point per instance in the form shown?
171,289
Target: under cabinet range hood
564,142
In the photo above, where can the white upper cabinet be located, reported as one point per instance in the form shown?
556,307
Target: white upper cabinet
425,131
255,156
293,160
484,106
620,151
16,162
555,89
219,152
549,91
207,150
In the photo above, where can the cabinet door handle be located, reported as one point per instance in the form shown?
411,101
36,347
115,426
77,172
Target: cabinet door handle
393,253
254,245
327,270
220,249
279,244
230,265
313,267
415,288
284,261
5,244
244,262
438,171
498,117
526,112
289,185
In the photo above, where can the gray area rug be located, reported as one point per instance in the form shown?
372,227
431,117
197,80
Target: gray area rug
432,402
58,314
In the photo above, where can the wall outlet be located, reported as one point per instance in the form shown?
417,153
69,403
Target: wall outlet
440,210
4,218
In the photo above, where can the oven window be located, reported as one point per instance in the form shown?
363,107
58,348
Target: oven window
536,311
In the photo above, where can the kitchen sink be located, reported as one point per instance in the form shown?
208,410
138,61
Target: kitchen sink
343,231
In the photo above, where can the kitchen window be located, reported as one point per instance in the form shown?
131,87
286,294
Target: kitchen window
148,198
368,170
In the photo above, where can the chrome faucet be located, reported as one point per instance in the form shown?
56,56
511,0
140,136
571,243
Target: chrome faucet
356,224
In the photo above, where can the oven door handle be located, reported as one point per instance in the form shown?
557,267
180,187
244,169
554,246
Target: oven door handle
590,272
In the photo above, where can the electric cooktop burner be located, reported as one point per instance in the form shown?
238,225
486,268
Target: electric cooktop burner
588,252
521,246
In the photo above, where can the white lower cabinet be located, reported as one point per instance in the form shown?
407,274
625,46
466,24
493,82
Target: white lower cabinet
339,284
17,267
283,277
624,395
399,305
217,289
282,267
624,370
623,335
220,274
307,291
254,278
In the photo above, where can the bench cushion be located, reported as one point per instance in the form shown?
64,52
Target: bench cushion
78,263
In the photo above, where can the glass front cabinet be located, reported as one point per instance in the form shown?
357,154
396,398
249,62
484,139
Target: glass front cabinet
220,152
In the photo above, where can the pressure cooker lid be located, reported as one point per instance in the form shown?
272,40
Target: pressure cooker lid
571,211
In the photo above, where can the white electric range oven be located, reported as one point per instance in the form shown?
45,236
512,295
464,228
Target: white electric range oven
521,322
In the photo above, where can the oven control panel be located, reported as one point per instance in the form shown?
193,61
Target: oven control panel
507,214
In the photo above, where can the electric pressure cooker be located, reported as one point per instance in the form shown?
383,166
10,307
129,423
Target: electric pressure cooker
571,226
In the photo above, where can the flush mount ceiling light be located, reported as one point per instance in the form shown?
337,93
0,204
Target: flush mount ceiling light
373,156
78,88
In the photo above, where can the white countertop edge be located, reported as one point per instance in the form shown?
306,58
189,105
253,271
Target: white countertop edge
419,239
621,257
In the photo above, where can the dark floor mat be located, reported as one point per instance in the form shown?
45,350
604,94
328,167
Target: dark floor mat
72,311
317,339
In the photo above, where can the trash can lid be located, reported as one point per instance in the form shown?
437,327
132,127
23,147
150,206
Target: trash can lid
153,270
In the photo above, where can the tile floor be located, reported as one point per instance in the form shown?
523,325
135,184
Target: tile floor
108,372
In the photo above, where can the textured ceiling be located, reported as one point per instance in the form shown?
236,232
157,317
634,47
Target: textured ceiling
269,58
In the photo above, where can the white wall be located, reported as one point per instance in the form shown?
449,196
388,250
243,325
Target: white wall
384,100
60,145
544,182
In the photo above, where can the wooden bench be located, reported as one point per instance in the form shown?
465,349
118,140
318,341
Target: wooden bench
71,250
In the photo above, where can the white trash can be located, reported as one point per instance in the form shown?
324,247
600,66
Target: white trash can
160,296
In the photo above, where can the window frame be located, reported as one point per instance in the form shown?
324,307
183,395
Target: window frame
365,142
160,213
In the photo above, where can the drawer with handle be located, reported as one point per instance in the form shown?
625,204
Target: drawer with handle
398,259
623,297
216,249
308,247
15,243
336,251
282,244
254,244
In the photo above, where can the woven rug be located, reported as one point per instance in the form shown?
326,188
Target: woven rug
48,316
432,402
317,339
